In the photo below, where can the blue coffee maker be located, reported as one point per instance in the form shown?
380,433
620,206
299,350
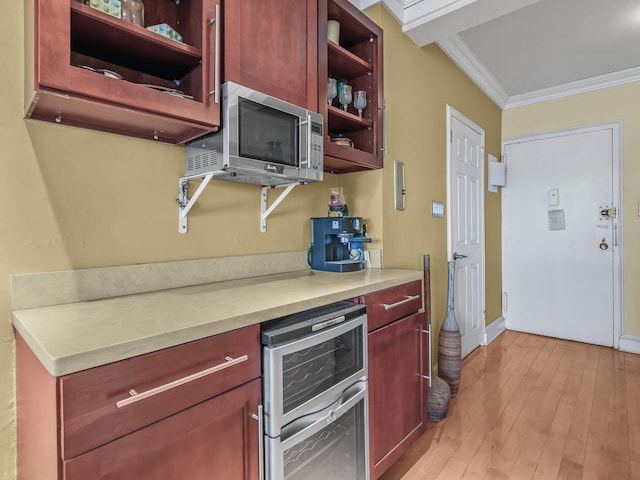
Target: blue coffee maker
337,244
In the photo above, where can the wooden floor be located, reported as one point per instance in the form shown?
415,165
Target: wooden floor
535,407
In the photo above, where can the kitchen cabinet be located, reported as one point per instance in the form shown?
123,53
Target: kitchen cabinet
89,69
184,409
272,46
356,59
398,364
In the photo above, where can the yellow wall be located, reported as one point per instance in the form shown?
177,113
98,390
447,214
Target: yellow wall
72,198
607,105
419,83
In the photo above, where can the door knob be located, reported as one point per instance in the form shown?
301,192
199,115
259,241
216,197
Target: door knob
604,245
458,256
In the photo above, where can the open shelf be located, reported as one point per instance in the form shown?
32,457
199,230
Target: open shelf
341,121
356,60
107,38
343,63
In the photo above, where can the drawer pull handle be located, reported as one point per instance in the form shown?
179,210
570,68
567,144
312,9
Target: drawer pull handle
136,397
407,299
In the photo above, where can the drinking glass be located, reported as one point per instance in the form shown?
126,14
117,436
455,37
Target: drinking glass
345,96
360,101
332,90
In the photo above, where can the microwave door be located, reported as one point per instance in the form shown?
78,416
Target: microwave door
328,445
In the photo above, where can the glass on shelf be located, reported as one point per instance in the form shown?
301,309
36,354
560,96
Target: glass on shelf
345,96
133,11
360,101
332,90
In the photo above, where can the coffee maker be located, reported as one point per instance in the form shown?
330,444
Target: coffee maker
337,244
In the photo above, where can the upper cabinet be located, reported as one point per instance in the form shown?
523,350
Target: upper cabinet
272,46
356,59
91,69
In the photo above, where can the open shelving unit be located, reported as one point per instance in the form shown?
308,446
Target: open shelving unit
357,59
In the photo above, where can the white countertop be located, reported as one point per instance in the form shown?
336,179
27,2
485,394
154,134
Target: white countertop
75,336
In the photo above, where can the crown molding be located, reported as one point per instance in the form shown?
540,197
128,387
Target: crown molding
458,51
599,82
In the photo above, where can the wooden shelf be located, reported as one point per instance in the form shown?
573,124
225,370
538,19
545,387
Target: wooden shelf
98,35
341,121
343,63
357,59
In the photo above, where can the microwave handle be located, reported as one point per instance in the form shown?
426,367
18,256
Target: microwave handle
307,123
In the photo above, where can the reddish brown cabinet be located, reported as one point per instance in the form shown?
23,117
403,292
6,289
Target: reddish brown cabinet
271,46
356,59
398,364
90,69
211,440
192,412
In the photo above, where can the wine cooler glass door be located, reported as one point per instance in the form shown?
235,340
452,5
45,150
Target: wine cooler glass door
328,445
309,374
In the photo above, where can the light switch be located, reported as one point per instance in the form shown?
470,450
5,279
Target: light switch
554,197
437,209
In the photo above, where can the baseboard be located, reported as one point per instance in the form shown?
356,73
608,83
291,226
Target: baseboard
494,329
629,343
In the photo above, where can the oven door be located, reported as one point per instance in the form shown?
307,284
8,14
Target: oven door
328,445
309,374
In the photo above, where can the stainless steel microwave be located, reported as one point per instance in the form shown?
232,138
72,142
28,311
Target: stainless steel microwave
263,140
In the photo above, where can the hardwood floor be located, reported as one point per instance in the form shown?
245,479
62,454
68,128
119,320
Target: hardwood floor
532,407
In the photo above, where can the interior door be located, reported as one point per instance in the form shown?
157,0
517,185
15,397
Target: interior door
466,227
560,235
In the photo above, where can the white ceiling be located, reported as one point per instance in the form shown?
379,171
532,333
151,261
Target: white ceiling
525,51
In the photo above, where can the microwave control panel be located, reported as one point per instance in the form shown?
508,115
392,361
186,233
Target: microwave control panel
315,161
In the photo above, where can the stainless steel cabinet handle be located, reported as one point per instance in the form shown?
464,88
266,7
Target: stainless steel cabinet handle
407,299
428,332
384,128
259,417
216,57
136,397
458,256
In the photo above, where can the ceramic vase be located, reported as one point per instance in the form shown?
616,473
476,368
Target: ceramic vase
449,342
438,399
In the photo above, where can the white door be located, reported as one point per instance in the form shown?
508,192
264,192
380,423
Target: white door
465,167
559,244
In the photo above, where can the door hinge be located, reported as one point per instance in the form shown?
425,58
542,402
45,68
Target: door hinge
505,302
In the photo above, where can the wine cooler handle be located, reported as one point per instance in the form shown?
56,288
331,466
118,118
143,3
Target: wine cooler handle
259,417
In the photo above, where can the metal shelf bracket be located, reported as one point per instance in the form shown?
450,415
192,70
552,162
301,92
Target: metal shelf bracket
264,211
184,202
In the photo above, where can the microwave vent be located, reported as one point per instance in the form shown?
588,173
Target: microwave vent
201,160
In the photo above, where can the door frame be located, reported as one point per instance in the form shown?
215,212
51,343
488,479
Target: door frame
616,130
453,113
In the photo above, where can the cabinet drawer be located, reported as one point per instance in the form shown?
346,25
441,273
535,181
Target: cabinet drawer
387,305
214,439
166,382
